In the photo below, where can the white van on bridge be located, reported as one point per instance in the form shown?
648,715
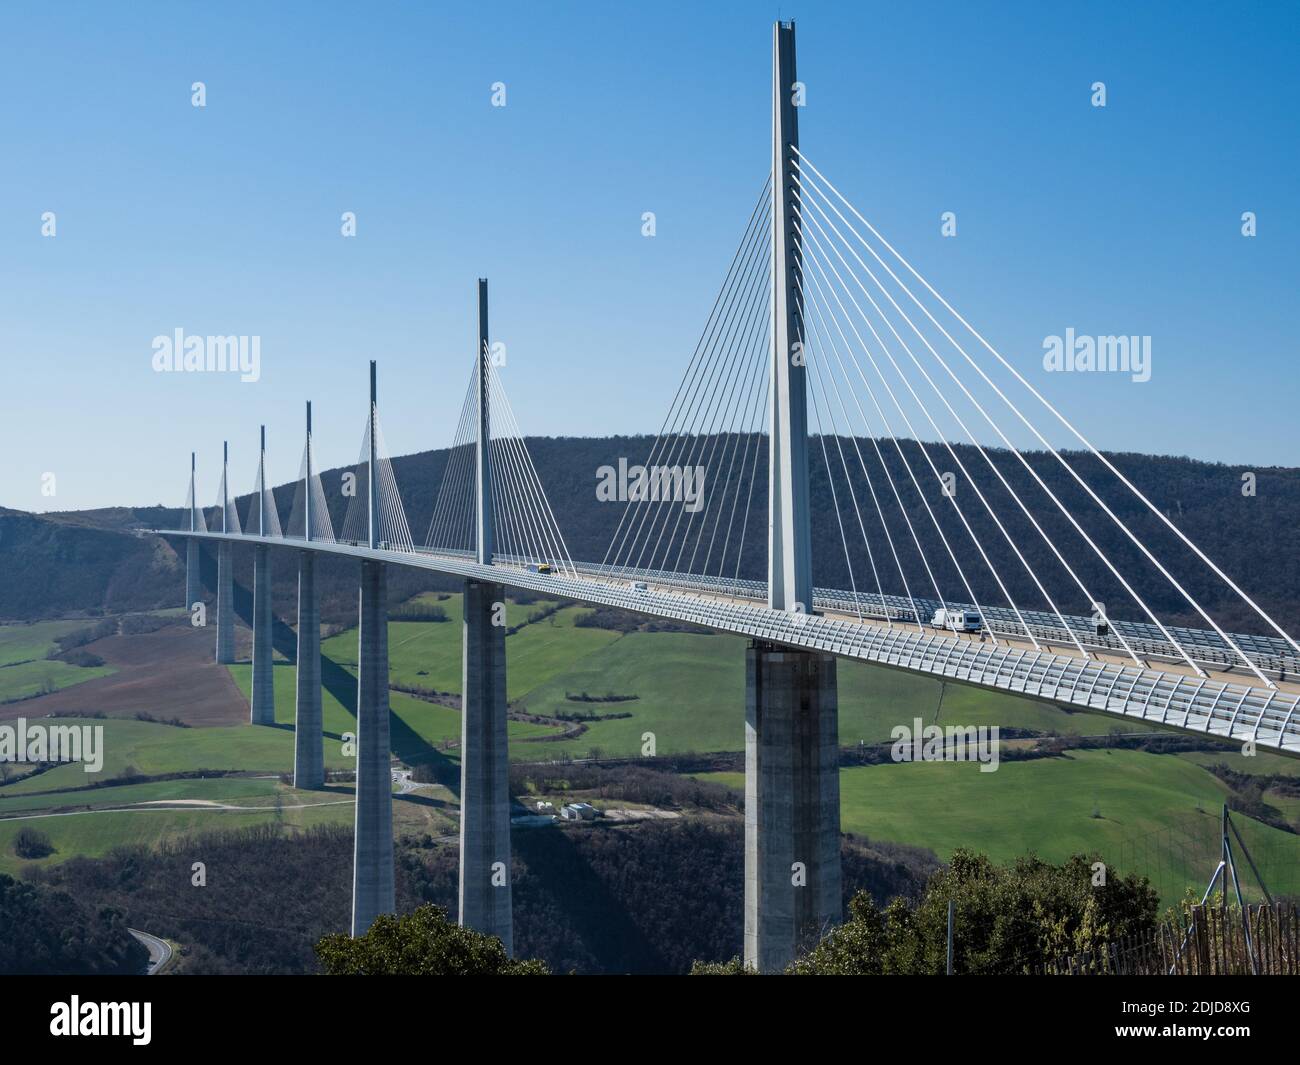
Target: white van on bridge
957,620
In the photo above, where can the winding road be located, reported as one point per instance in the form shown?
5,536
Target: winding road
160,951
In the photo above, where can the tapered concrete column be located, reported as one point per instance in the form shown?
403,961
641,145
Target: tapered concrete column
372,863
309,741
789,539
262,709
485,902
792,804
225,605
193,587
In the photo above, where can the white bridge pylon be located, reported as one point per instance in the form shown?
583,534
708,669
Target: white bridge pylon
1053,550
523,526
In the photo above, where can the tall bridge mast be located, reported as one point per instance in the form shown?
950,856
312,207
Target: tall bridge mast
792,796
485,889
789,553
372,471
483,464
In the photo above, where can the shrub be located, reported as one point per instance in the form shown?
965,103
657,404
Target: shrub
30,843
423,943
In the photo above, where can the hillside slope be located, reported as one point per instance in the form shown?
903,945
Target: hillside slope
1255,539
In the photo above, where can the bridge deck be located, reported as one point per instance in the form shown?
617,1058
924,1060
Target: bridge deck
1244,711
1272,655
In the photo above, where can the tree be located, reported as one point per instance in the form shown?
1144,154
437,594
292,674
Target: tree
861,946
423,943
48,932
1008,919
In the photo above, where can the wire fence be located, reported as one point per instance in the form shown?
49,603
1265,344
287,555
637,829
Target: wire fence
1211,940
1180,854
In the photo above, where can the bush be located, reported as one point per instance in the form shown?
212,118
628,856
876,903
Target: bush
175,722
1009,919
30,843
418,612
423,943
80,637
735,967
81,657
139,624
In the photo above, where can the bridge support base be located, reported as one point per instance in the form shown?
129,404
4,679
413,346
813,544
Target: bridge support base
309,743
485,893
225,605
372,861
792,804
193,586
262,708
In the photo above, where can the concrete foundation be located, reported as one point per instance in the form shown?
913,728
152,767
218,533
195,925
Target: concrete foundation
485,893
225,604
309,742
372,863
193,586
792,804
262,706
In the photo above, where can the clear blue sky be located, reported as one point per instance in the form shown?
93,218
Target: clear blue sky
225,220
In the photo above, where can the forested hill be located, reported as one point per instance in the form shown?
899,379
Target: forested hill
1254,538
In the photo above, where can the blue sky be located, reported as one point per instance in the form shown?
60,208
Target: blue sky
225,219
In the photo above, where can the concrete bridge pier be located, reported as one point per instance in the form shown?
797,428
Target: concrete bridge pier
309,742
262,707
193,586
792,804
372,863
225,604
485,892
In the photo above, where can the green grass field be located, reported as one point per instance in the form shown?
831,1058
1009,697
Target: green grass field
25,672
428,654
1156,814
19,643
690,694
153,749
26,680
215,789
96,833
88,821
74,830
1259,763
417,727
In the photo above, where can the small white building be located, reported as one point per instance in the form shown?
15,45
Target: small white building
579,811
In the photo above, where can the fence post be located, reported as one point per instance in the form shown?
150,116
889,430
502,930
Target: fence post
952,905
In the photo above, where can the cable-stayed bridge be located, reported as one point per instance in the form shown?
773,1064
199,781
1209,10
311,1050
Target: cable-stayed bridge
826,355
